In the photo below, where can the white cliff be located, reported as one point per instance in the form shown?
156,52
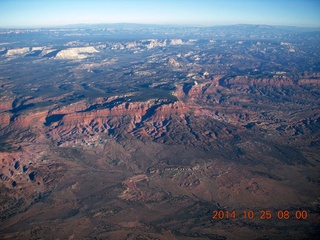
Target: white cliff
75,53
17,51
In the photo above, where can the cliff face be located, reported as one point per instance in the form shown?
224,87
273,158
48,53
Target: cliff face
123,118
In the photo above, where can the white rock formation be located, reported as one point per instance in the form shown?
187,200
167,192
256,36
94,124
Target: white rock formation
131,45
155,43
174,63
176,42
37,48
118,46
75,53
17,51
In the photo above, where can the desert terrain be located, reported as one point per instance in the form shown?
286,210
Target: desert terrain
135,132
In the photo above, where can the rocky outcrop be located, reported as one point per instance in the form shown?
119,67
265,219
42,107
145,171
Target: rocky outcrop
176,42
131,45
152,43
17,51
173,63
75,53
37,48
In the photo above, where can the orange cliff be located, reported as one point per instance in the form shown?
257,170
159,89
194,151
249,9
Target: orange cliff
125,117
136,110
75,115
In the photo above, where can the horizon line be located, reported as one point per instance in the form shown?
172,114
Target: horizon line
155,24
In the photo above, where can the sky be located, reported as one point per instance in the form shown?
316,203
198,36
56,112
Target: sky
46,13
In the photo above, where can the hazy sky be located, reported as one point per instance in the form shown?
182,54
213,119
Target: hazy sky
25,13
